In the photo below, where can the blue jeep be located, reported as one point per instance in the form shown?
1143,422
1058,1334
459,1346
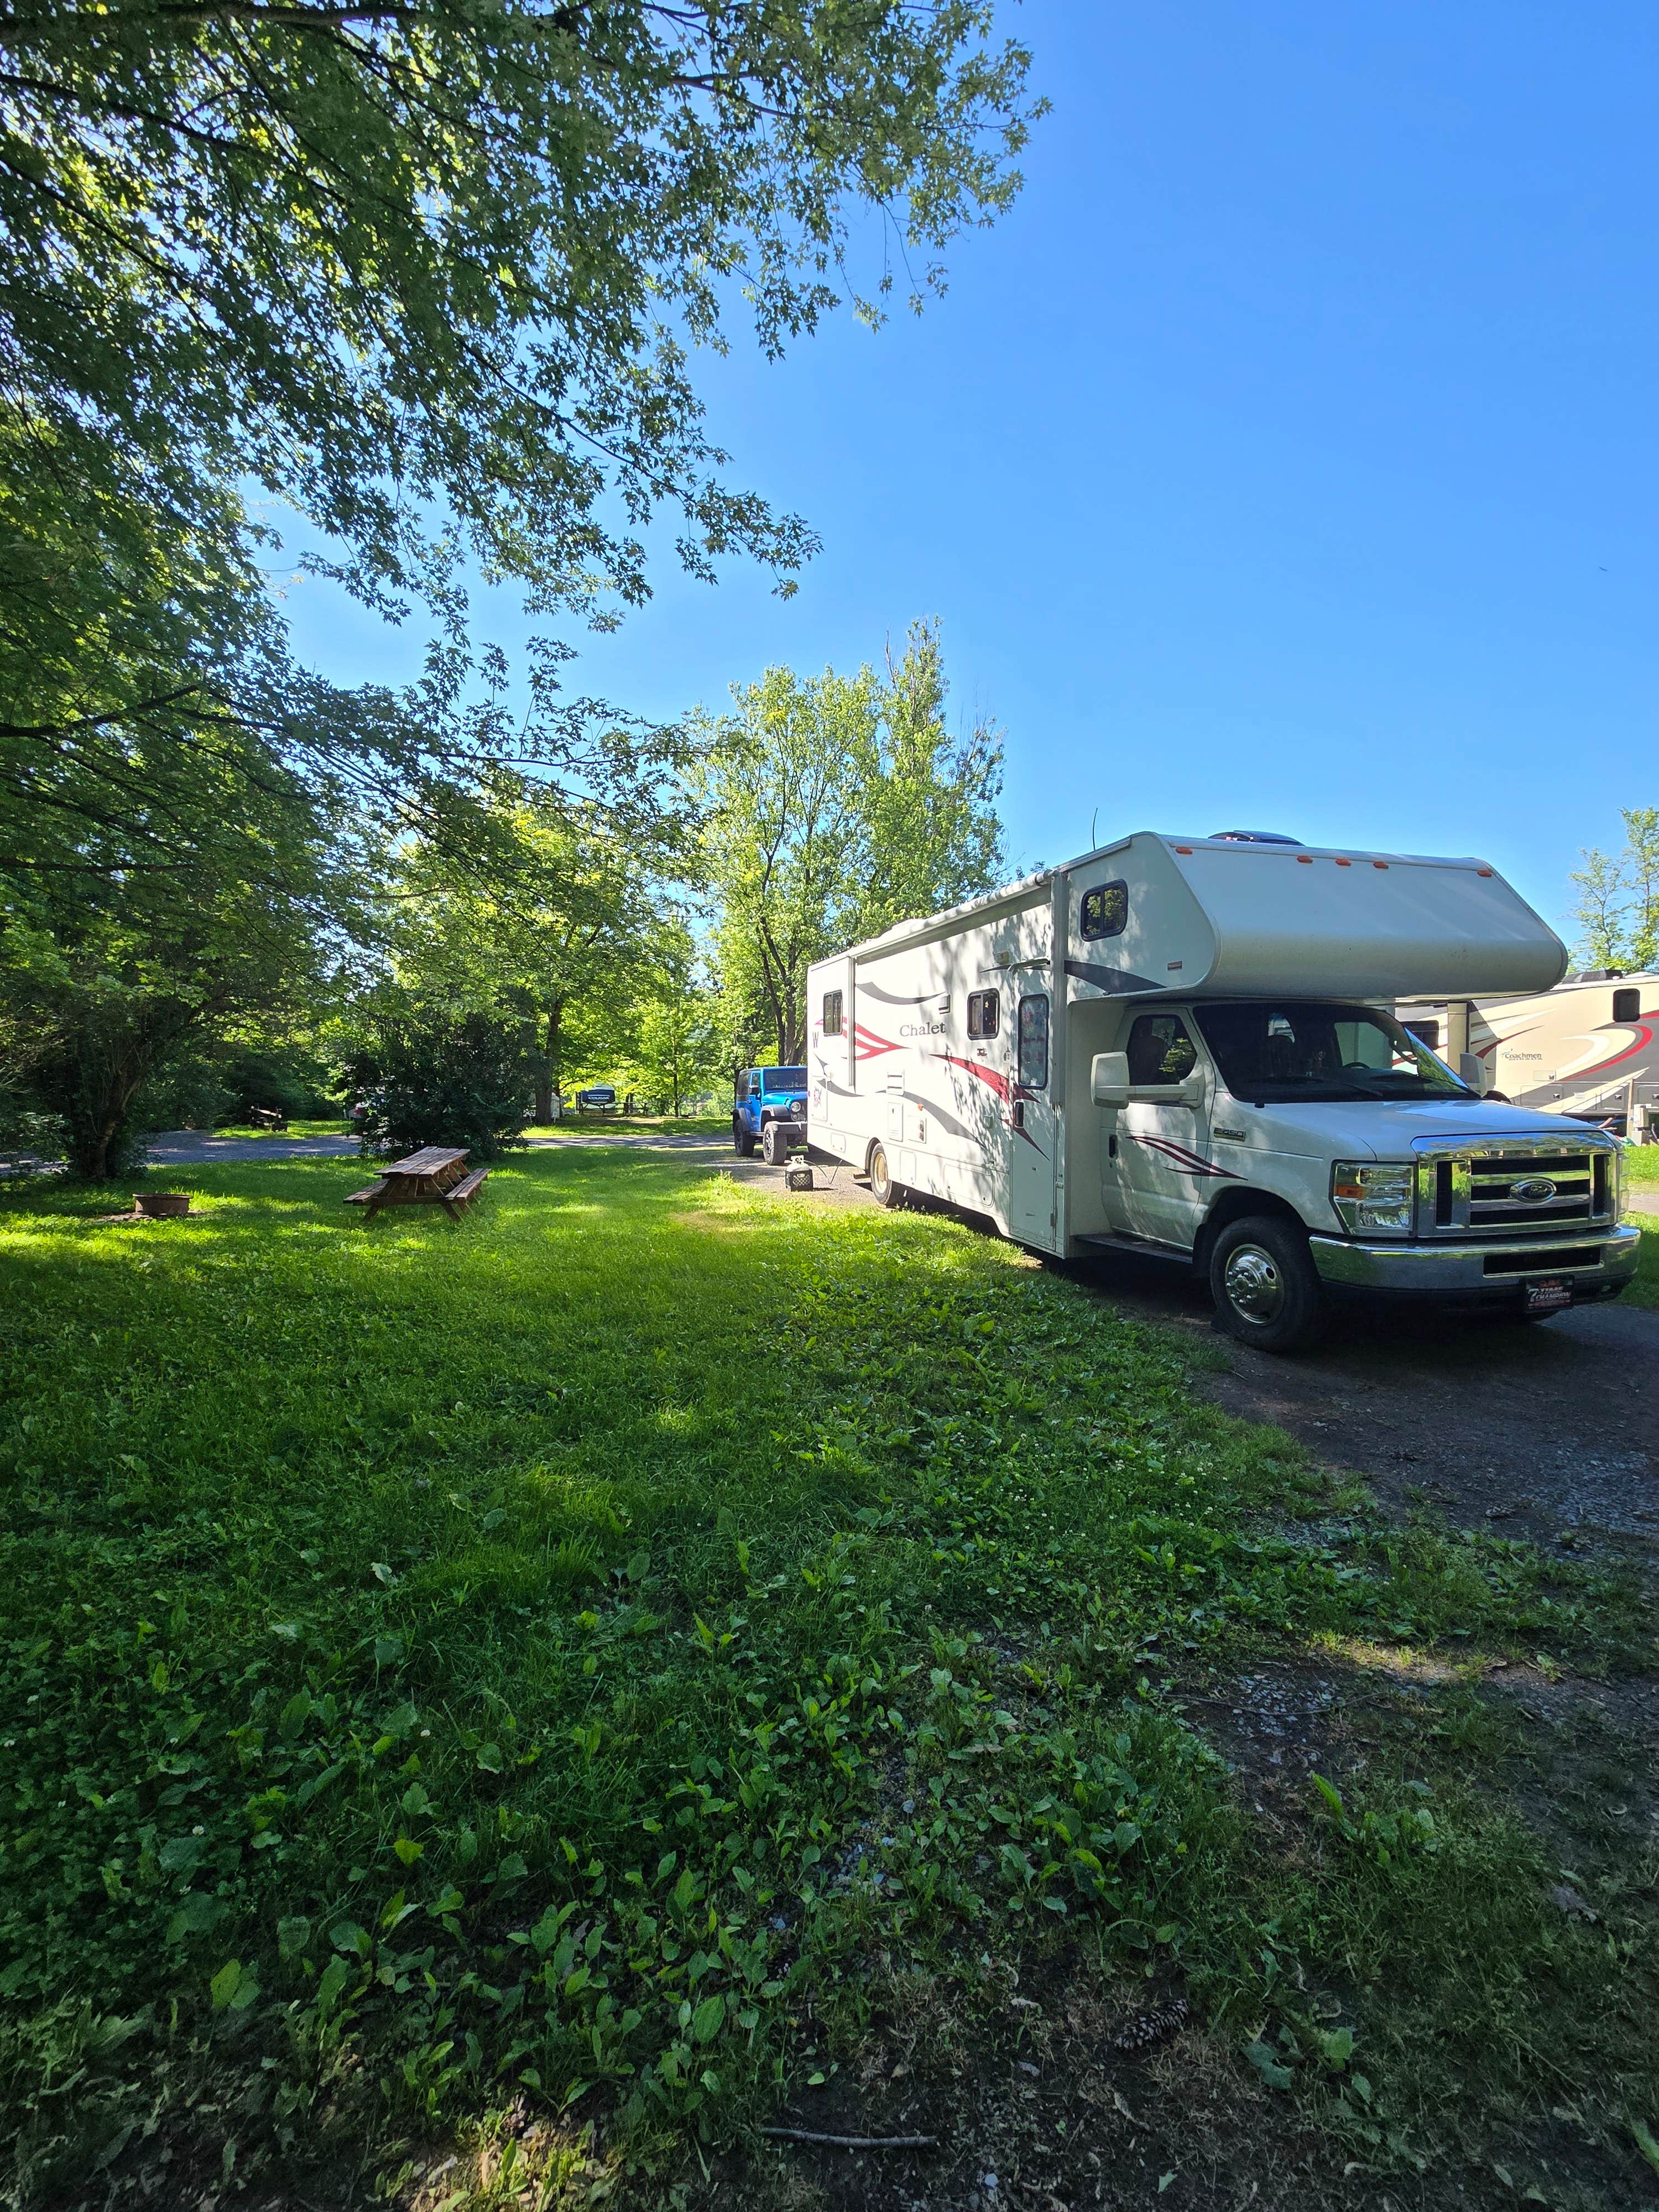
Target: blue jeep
768,1097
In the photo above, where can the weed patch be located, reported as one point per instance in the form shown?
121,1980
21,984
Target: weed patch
576,1658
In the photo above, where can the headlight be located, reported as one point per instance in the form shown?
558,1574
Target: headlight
1373,1194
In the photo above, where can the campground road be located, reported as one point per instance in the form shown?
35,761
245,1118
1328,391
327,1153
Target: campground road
200,1148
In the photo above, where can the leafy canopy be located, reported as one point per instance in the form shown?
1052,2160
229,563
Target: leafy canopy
837,806
430,269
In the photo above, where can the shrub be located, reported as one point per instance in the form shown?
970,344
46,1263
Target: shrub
438,1078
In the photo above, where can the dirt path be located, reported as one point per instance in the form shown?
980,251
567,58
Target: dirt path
1545,1429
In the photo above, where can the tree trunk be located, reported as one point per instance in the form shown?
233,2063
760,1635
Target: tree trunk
92,1076
547,1083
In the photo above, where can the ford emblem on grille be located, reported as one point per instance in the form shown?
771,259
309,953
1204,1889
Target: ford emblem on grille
1533,1190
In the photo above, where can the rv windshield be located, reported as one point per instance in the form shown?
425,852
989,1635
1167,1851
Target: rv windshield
1277,1050
784,1078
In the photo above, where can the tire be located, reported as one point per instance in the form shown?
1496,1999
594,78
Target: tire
742,1143
883,1188
1265,1287
774,1145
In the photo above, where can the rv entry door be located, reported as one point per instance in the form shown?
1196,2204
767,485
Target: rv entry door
1031,1140
1163,1174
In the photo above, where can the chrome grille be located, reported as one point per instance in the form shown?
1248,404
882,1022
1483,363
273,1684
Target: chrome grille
1514,1185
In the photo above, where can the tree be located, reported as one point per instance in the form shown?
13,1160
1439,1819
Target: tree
436,1075
931,834
677,1051
1617,908
837,806
1642,875
780,787
431,270
558,925
105,970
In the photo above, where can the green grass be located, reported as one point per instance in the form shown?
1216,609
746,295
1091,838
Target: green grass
1642,1166
581,1652
331,1125
595,1125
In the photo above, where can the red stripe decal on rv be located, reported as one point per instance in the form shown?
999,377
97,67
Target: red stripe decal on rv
1643,1024
998,1082
866,1045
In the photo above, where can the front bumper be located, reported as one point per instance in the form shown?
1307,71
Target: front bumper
1595,1264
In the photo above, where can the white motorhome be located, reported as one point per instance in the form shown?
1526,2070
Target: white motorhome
1588,1047
1182,1045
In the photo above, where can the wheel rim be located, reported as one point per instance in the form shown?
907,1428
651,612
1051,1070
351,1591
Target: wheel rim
878,1172
1254,1284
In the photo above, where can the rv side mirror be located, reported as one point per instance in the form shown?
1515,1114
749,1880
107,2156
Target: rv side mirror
1474,1072
1110,1078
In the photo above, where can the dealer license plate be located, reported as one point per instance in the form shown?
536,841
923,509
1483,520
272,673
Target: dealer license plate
1549,1295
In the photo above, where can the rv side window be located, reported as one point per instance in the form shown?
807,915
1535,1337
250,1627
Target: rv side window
983,1009
1106,910
1626,1005
1160,1050
832,1004
1034,1041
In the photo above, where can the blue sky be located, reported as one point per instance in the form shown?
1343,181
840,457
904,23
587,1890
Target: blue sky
1286,460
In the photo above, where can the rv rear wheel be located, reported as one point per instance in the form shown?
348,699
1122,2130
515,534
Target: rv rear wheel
742,1143
883,1188
1265,1287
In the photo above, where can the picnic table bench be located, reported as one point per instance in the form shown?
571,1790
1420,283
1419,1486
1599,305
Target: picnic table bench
436,1175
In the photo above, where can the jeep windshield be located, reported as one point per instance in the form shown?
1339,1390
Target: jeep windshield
1274,1051
783,1078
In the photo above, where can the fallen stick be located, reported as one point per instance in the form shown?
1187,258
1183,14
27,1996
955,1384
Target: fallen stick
855,2142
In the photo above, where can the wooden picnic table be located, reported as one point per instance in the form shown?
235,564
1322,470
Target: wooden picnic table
436,1175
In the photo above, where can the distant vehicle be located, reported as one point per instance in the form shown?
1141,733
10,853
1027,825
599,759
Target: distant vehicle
1588,1049
1177,1046
598,1098
774,1097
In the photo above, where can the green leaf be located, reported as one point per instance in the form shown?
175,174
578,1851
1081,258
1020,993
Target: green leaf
1645,2143
1332,1796
225,1983
336,1975
709,2018
295,1713
291,1936
1267,2066
1335,2047
408,1851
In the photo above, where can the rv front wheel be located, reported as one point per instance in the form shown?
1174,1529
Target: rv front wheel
1265,1288
883,1188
